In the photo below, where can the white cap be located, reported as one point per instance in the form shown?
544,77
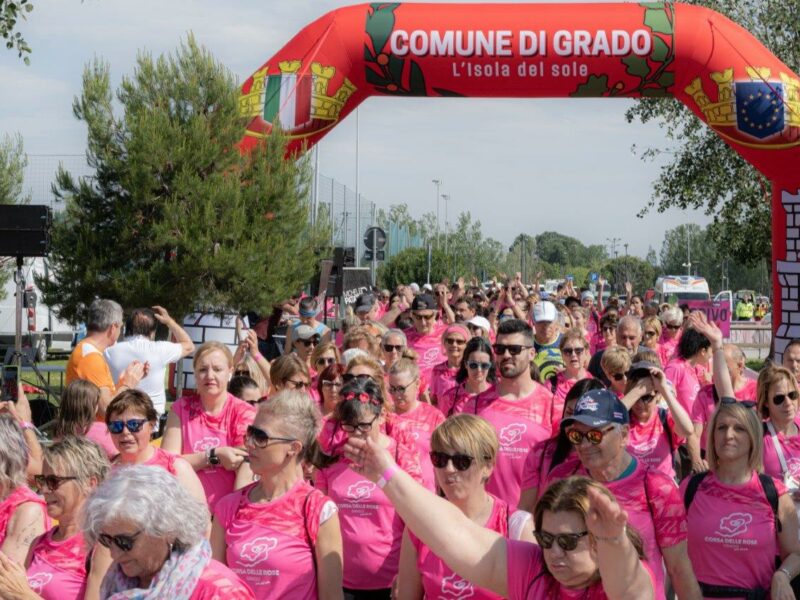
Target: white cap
544,311
351,353
481,322
587,295
414,287
427,287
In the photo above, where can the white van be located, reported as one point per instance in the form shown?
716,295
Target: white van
682,288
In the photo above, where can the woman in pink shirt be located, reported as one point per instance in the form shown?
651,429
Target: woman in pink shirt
57,566
77,415
371,529
443,376
207,428
672,319
616,362
280,535
393,344
693,349
329,384
778,400
476,375
584,548
130,419
735,530
575,354
651,333
464,449
155,532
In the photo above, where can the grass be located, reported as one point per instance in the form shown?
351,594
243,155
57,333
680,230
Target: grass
756,364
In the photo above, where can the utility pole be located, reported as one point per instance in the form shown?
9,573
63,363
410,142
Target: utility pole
358,203
627,266
612,242
446,198
437,183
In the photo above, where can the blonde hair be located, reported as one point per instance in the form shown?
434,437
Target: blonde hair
210,347
78,457
359,334
253,372
653,322
297,414
766,378
467,433
748,419
407,363
616,360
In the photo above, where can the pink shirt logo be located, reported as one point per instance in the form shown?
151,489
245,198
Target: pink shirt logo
430,356
38,581
734,524
511,434
586,404
793,465
361,490
206,443
455,587
258,550
646,447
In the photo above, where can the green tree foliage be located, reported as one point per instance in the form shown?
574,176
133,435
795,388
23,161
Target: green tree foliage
411,265
174,215
11,12
13,161
703,173
640,273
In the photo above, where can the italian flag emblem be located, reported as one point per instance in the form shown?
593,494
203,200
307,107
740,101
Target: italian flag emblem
288,97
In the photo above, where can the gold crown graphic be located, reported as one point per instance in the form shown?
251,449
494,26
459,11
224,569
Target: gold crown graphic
722,113
323,106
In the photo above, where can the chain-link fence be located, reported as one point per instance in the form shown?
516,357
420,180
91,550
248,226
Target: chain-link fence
40,174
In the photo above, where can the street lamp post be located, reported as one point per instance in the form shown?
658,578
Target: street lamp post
437,183
446,198
612,242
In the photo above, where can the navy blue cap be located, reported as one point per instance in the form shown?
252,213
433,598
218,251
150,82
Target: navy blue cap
598,407
424,302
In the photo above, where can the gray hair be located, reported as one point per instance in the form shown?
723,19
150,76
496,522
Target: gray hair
78,457
103,314
150,498
398,332
673,315
629,320
13,455
297,414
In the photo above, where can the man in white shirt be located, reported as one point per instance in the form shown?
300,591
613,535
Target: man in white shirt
140,345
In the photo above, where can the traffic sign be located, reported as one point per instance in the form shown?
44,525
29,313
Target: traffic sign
592,276
377,235
380,255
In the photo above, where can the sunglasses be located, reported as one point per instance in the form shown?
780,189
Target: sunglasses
673,327
779,399
260,438
326,361
566,541
348,377
577,351
132,425
50,482
745,403
475,365
297,385
594,436
461,462
455,341
242,372
400,389
650,334
393,347
331,384
619,376
363,426
426,317
647,398
123,542
609,329
513,349
309,342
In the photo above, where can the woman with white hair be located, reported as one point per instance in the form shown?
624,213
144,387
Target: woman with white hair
672,319
23,515
155,531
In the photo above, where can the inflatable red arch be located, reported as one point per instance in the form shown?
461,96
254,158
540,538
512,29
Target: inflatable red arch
712,65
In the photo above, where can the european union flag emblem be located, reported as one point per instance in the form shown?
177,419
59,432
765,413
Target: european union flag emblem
759,108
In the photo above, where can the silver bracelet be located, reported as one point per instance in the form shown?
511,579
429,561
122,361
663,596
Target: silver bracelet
612,540
786,572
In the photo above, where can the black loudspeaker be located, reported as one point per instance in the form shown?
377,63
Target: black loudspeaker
25,230
342,257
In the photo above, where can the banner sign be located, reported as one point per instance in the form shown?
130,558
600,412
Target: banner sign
718,311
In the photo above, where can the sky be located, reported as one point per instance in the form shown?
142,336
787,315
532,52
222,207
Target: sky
516,165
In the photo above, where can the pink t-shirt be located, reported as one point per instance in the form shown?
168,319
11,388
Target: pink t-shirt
443,378
439,580
201,431
668,346
527,579
704,404
732,536
791,454
371,528
453,401
428,347
58,569
649,442
519,424
20,495
563,386
654,507
270,545
217,582
684,377
419,425
538,464
98,433
165,460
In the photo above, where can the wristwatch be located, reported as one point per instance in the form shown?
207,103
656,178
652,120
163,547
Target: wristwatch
213,459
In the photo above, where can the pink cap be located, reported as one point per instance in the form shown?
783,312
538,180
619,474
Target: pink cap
457,328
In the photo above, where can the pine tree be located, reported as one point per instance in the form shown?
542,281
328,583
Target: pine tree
174,214
13,161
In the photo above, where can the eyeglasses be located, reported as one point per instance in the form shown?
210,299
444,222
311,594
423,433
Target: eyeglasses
241,372
348,377
609,329
472,327
297,385
461,462
577,351
363,426
618,376
123,542
475,365
566,541
133,425
400,389
50,482
331,384
779,399
260,438
647,398
594,436
327,361
393,347
745,403
650,334
513,349
309,342
455,341
673,327
425,316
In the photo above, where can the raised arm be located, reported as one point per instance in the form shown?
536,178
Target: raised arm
683,422
722,378
178,333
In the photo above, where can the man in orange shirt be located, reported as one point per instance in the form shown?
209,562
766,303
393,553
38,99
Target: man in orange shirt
87,362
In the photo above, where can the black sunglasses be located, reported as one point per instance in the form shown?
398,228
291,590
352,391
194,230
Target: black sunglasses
673,327
51,482
461,462
647,398
577,351
123,542
260,438
566,541
133,425
393,347
475,365
400,389
297,385
326,361
779,399
619,376
745,403
363,426
513,349
310,342
347,377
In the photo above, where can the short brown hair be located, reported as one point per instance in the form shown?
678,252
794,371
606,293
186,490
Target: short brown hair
132,399
287,366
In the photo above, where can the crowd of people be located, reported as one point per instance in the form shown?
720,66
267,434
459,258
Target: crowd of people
448,441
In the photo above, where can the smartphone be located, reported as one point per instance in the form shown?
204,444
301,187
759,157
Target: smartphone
10,383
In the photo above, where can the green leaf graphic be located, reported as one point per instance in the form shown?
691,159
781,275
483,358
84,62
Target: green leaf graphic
379,28
417,80
447,93
666,80
396,69
636,65
660,50
658,21
596,85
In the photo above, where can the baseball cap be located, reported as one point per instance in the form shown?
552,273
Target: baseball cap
364,303
639,366
304,332
587,295
414,287
544,311
481,322
427,287
423,302
598,407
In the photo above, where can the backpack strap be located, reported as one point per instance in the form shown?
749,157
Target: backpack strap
771,492
306,502
691,488
663,415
